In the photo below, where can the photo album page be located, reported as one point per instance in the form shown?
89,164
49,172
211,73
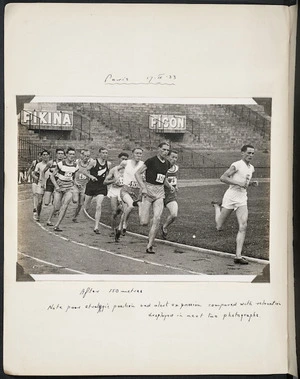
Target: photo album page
148,189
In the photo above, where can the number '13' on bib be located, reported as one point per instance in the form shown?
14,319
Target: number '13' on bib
160,178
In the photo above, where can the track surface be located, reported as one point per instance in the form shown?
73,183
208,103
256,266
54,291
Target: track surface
78,251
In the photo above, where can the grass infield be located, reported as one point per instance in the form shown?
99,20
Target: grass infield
196,218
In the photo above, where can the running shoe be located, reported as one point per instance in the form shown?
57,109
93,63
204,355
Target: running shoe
36,216
96,231
124,232
241,261
163,233
74,220
57,229
49,223
117,235
150,250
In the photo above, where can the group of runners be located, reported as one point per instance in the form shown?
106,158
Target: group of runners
132,183
150,186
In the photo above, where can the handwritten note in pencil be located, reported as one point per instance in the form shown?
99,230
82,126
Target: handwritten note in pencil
160,79
96,301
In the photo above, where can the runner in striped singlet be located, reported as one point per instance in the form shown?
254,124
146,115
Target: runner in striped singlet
63,180
81,181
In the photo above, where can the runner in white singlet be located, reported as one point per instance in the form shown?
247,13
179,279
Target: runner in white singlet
238,176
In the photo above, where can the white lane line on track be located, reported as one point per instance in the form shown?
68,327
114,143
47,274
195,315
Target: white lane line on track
195,248
118,255
49,263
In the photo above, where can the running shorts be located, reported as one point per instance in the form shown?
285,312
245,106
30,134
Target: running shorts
154,192
134,192
234,199
93,189
49,186
114,192
79,189
169,197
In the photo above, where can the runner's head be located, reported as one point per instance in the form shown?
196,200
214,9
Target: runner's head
163,149
173,156
81,154
137,153
60,153
103,153
39,157
247,153
45,156
70,153
85,156
123,156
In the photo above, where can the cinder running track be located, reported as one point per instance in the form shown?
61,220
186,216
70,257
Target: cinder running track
78,251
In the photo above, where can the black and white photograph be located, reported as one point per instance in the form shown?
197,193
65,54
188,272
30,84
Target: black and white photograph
148,189
177,188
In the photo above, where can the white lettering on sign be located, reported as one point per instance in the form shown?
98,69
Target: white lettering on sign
47,118
167,123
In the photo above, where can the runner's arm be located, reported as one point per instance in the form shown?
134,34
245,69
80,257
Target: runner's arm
253,183
52,178
35,176
227,177
169,185
110,177
86,171
49,164
139,179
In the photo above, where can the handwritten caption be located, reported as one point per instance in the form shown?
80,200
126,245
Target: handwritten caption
95,300
160,79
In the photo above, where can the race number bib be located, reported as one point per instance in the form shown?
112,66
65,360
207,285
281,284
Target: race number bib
160,178
172,180
68,174
120,181
81,176
133,184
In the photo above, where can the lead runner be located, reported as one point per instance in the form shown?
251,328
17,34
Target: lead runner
238,176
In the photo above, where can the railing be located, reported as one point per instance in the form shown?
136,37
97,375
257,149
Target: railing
81,130
190,158
260,123
193,172
28,151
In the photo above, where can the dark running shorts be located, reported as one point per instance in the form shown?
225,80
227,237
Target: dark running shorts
169,197
95,190
49,185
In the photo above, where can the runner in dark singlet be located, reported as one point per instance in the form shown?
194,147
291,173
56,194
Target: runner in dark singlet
170,200
97,171
153,193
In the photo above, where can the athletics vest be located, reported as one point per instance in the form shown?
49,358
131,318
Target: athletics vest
100,172
172,175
